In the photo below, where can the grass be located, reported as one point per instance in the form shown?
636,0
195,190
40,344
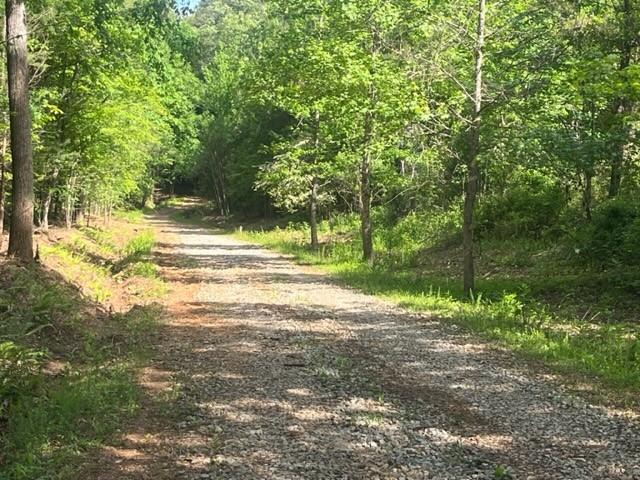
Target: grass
47,436
99,263
130,216
534,302
67,367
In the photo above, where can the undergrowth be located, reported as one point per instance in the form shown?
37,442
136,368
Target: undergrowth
94,258
67,365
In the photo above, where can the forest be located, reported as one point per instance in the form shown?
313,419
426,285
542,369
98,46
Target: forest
475,160
426,119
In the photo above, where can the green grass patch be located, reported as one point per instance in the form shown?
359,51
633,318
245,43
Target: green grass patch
48,433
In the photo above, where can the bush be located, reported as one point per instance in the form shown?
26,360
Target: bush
19,372
140,246
614,235
528,208
415,232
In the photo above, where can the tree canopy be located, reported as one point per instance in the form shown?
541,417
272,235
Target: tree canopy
322,107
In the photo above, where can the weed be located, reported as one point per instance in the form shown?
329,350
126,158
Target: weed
144,269
50,421
140,246
501,473
368,418
81,409
343,363
20,368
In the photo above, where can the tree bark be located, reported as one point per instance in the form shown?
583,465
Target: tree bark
365,193
313,215
587,195
21,232
46,204
622,104
3,166
313,200
69,204
3,154
473,149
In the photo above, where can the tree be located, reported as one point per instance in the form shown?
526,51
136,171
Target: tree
473,149
622,104
21,232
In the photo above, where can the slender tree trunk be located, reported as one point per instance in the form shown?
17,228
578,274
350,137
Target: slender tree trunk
313,201
3,152
219,186
68,210
313,215
46,204
365,193
3,166
21,233
622,105
473,149
587,195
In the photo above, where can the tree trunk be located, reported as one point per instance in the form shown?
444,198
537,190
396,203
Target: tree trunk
219,186
68,210
587,195
3,154
365,194
313,200
46,205
473,149
622,105
313,215
365,197
21,232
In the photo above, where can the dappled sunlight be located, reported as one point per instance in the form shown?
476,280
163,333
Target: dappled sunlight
278,373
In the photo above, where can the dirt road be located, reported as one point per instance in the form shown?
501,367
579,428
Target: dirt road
268,370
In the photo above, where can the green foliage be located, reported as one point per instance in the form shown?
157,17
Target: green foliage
19,372
67,380
501,473
130,216
143,269
613,238
28,306
417,232
140,246
531,204
114,102
44,439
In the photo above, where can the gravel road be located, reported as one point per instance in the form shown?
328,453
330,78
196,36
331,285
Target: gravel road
283,374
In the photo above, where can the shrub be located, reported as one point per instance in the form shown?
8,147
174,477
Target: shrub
614,234
140,246
19,371
415,232
528,208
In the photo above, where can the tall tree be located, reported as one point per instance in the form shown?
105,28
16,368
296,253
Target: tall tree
473,149
21,232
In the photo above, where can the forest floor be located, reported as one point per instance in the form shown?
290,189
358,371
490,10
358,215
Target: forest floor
270,370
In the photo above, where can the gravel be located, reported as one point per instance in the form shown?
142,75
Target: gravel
284,374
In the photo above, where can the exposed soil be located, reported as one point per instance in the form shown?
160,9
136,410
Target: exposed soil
268,370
